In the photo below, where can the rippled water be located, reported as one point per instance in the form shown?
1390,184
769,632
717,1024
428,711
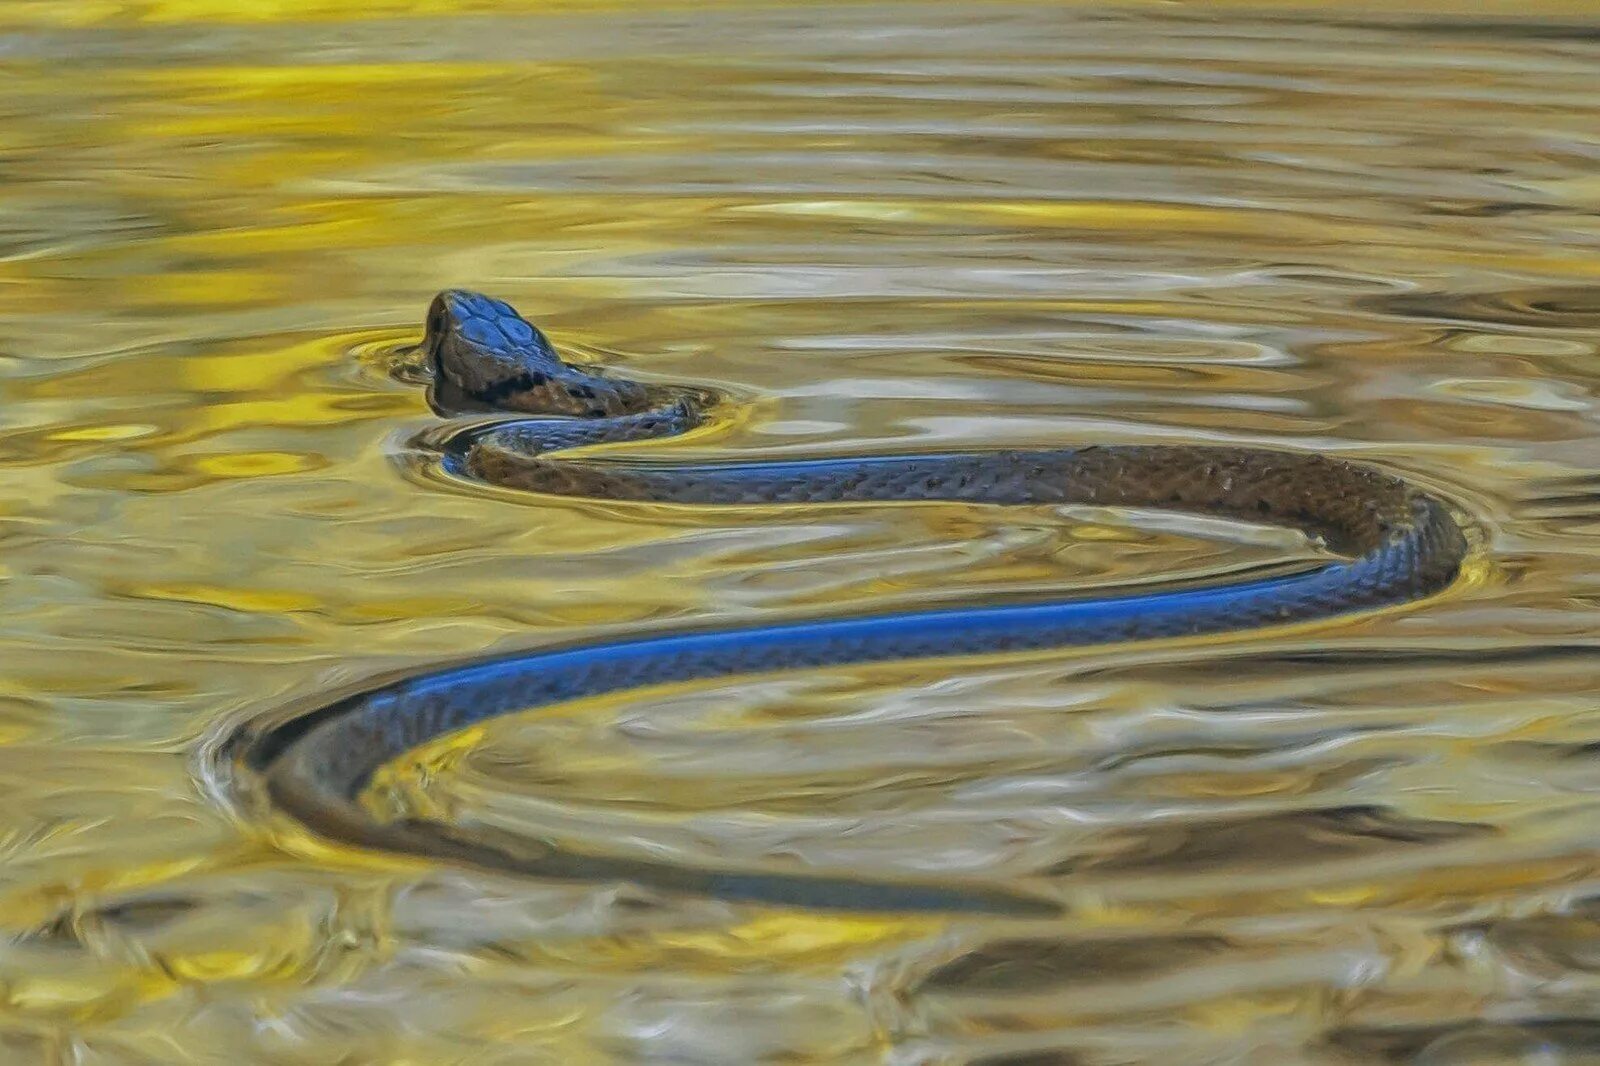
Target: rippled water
886,226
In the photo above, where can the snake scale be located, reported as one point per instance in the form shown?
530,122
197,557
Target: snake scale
1396,544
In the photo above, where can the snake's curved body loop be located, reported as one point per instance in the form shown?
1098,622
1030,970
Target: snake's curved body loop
1398,544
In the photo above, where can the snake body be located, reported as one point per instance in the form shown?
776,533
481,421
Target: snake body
1397,544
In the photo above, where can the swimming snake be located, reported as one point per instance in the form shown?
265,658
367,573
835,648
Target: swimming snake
1396,543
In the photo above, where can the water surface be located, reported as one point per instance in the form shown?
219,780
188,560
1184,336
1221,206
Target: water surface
882,227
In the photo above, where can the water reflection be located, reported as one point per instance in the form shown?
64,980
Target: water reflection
879,227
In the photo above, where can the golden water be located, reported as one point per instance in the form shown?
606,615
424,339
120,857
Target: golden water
883,227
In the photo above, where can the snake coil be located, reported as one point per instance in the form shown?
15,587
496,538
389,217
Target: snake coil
1398,544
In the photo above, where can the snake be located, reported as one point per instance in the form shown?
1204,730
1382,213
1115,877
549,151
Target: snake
1389,541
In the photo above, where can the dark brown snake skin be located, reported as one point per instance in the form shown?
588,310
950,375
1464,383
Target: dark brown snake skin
1399,543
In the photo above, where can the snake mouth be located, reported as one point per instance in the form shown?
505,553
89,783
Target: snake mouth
448,399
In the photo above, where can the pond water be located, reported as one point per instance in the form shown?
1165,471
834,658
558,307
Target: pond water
880,227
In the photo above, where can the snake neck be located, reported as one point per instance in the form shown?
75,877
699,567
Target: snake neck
560,390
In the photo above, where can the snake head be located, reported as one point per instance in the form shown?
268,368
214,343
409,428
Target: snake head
482,350
485,355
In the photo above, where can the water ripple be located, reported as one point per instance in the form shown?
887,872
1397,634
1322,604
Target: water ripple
879,226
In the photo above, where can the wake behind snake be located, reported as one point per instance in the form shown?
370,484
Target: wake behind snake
1397,543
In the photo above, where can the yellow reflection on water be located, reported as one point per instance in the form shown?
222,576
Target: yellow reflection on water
879,227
